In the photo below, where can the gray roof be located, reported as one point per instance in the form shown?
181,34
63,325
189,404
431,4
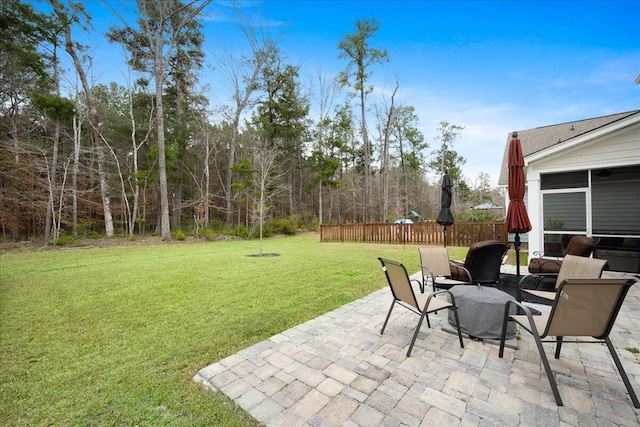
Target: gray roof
534,140
487,206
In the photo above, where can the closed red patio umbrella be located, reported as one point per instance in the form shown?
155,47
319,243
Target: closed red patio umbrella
517,217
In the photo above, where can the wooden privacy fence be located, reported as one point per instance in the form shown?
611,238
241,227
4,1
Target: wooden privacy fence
421,233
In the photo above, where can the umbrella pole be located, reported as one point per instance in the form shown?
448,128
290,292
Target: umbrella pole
445,236
516,245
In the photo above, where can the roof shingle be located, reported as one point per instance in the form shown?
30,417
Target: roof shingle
537,139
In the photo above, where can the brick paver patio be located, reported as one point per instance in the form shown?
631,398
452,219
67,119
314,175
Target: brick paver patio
337,370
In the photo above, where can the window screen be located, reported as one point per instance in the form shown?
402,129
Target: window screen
564,211
556,181
615,199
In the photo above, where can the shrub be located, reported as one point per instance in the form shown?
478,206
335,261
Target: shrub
314,224
287,226
208,234
267,230
179,234
64,239
297,221
241,231
85,229
219,226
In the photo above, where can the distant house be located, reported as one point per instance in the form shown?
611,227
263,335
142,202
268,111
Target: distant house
490,207
583,178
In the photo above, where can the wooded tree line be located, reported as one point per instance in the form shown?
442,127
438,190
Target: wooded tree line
156,155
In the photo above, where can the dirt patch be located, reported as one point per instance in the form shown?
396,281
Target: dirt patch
38,245
28,246
267,255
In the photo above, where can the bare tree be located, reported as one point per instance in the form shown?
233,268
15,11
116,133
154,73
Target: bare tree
266,180
242,75
67,18
136,145
77,131
328,90
386,131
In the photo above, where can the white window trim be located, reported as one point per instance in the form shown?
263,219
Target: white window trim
587,200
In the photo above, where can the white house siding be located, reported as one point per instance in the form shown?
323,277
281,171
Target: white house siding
619,150
616,150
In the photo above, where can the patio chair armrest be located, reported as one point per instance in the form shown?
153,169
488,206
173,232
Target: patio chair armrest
424,267
527,311
540,254
540,276
522,278
445,291
509,303
416,281
507,317
546,274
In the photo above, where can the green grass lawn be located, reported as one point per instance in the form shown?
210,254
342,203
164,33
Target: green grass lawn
114,336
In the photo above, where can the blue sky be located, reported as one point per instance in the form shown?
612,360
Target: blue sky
490,66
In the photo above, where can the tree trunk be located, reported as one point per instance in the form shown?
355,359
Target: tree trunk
136,186
104,190
77,130
49,219
207,182
384,172
165,228
232,159
177,190
320,202
93,121
367,172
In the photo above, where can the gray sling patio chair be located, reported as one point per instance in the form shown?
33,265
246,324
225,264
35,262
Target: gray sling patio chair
582,308
436,269
421,304
573,267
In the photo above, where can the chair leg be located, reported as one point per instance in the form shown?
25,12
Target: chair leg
503,334
558,346
455,314
623,374
384,325
536,336
545,363
415,334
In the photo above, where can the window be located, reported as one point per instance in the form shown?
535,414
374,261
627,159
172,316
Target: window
565,211
615,200
556,181
564,215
